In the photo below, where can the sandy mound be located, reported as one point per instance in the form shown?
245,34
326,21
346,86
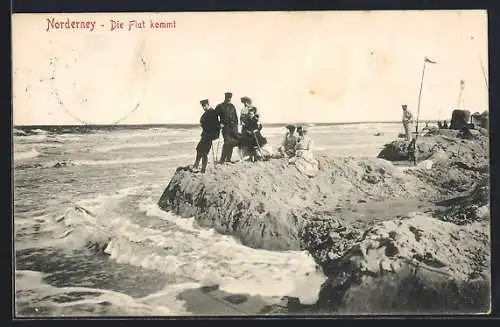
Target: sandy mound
464,209
472,152
266,204
390,238
414,264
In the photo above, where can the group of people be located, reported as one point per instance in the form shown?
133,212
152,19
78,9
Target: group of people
443,125
299,150
245,134
295,144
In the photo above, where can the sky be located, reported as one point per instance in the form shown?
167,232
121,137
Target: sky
324,66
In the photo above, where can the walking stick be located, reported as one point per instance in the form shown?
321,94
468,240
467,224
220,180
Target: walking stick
257,141
213,155
217,152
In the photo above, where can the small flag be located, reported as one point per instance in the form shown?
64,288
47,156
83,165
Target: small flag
429,61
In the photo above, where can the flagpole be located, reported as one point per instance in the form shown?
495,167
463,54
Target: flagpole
460,93
419,98
484,73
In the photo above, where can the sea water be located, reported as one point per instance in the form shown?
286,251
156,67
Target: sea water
90,238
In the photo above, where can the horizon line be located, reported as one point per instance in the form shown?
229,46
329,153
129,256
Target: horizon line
193,124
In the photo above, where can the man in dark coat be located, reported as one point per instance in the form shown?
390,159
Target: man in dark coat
210,124
229,123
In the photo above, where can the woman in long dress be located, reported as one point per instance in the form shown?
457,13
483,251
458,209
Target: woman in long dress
244,150
304,158
253,137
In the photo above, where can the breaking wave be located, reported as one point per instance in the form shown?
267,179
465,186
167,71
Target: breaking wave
152,239
86,301
106,162
211,258
129,160
141,145
23,155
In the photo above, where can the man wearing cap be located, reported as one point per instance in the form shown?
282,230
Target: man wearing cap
210,125
229,122
407,121
287,148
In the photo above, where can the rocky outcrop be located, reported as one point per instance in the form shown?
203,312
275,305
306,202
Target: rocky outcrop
267,204
470,207
414,264
459,119
449,142
389,238
480,120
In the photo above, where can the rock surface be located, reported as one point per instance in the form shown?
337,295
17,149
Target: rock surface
459,118
267,204
472,152
389,238
411,265
480,120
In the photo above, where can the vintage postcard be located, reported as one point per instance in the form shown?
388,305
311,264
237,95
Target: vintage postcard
251,163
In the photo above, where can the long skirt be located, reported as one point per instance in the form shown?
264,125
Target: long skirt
250,140
305,162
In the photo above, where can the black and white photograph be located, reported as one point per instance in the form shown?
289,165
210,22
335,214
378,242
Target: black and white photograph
258,163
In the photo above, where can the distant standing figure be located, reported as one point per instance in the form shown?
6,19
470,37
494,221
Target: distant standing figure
229,123
287,147
407,121
445,124
210,125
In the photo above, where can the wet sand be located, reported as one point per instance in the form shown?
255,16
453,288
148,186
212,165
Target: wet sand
210,300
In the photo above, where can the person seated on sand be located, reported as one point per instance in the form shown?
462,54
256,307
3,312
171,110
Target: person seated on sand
304,141
304,158
287,148
253,138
